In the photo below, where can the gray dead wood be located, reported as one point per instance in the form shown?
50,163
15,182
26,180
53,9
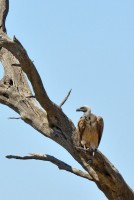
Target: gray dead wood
60,164
49,119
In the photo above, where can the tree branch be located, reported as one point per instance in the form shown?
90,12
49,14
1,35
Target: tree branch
60,164
65,99
14,92
54,112
4,7
16,48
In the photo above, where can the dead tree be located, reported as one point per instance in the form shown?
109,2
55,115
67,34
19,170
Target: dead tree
49,119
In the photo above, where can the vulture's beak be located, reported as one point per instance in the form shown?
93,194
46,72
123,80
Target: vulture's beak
79,109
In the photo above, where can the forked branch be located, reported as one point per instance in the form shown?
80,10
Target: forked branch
60,164
16,48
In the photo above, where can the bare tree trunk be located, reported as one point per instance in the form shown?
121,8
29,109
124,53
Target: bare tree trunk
50,119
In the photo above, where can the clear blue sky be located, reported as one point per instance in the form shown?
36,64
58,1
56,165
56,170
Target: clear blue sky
87,46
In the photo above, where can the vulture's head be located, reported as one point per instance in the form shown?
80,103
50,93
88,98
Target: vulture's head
86,110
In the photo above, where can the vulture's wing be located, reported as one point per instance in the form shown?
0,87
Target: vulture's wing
81,126
100,125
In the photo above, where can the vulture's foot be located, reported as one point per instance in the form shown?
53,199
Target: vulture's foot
82,149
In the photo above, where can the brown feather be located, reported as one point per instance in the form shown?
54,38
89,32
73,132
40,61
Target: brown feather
100,127
81,126
90,131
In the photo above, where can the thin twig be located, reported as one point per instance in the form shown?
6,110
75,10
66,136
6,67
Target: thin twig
66,97
14,117
60,164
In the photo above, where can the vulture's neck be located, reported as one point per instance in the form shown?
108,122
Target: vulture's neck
87,114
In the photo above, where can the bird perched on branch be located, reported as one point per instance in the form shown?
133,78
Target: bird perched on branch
90,128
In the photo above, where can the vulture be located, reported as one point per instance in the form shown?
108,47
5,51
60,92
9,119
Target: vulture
90,128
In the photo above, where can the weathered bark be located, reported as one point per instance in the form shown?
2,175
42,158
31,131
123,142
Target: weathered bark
50,120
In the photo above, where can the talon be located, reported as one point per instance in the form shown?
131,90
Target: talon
80,148
84,146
